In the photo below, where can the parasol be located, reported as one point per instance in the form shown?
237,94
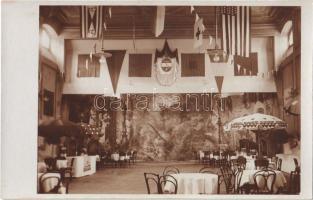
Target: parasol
258,123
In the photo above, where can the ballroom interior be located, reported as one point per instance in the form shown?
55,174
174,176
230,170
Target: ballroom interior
174,92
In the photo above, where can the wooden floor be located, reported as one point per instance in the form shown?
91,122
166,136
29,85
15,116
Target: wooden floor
126,180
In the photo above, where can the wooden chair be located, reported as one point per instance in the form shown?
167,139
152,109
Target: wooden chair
264,181
297,167
279,163
294,183
228,178
51,164
69,170
133,157
152,181
206,170
206,158
261,163
55,189
242,161
167,179
170,170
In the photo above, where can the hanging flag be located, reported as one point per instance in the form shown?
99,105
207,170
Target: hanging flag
192,9
198,33
159,20
91,21
115,65
110,12
236,30
219,82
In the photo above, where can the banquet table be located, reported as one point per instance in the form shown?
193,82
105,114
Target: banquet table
48,184
194,183
248,178
83,165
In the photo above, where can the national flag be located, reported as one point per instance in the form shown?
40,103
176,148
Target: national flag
198,33
236,30
159,20
91,21
192,9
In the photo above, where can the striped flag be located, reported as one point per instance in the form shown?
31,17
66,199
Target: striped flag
91,21
236,30
159,20
199,28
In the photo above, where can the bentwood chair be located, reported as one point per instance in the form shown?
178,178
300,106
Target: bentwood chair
228,178
241,161
264,181
297,167
170,170
206,170
56,188
69,170
294,187
261,163
152,183
167,179
279,163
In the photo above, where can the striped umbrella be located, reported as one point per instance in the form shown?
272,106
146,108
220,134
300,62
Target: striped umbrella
258,123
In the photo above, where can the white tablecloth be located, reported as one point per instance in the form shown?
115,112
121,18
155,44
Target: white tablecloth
247,177
61,164
83,165
194,183
288,164
48,184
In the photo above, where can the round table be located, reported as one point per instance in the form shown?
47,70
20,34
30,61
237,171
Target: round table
194,183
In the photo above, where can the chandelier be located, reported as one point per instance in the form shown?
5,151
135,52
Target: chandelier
102,54
217,54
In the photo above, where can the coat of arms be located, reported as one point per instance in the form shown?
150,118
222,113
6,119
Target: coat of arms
166,62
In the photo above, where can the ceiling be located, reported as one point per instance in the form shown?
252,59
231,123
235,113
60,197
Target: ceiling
129,21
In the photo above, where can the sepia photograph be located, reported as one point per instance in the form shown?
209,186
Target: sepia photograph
156,100
169,99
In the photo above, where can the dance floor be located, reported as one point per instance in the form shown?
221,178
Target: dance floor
127,180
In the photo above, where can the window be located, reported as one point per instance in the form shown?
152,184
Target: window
88,67
48,103
140,65
290,38
45,39
192,65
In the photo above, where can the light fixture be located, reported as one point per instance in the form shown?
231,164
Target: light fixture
217,55
102,55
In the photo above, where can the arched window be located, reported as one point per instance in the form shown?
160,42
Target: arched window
288,31
45,40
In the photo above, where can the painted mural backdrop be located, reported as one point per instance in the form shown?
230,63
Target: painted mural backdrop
163,130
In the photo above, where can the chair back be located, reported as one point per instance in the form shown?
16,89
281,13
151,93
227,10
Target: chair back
241,161
261,163
222,163
228,178
51,163
170,170
152,183
264,181
238,174
279,163
168,180
206,170
294,185
49,184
